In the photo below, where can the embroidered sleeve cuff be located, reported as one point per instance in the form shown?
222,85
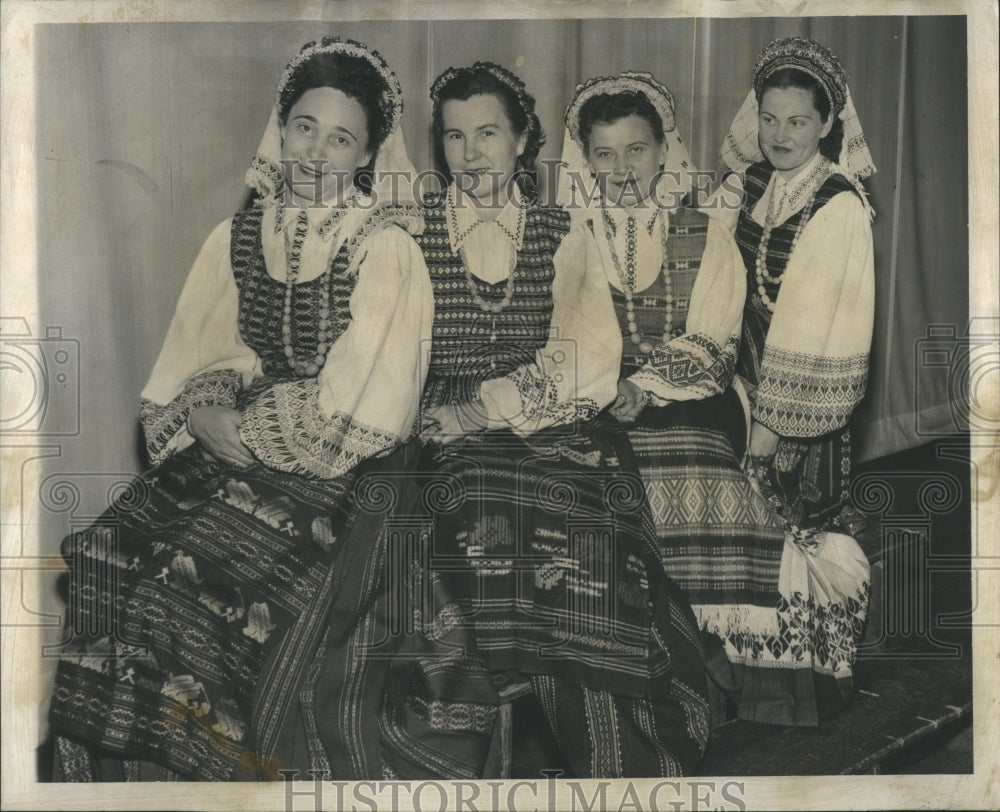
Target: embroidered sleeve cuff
528,400
286,430
689,367
163,424
804,395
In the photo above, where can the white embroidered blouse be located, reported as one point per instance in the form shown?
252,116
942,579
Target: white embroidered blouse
366,396
821,327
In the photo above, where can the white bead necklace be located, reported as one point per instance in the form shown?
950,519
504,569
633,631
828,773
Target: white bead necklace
811,185
627,279
490,308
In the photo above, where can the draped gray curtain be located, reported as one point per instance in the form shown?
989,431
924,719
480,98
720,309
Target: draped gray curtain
144,132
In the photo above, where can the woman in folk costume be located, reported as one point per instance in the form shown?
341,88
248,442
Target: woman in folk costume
677,286
292,361
802,224
803,228
546,542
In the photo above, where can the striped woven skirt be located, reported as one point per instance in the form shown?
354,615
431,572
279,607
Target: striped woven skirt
201,608
546,546
783,610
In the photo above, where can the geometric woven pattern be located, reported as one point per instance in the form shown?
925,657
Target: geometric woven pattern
210,570
803,395
550,555
749,580
290,432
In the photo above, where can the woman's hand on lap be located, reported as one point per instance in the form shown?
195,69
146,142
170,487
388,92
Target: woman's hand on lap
217,428
445,424
630,402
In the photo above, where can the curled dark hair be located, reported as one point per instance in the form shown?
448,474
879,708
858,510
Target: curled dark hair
607,108
354,76
483,79
785,78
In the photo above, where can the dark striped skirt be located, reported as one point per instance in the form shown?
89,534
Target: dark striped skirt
546,546
201,608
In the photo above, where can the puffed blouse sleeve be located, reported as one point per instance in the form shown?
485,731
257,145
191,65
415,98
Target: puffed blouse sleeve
364,401
700,362
203,361
814,368
575,374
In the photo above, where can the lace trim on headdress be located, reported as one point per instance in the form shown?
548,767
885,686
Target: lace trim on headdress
626,82
676,181
391,99
267,176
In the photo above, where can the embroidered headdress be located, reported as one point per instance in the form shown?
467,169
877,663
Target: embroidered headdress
741,147
676,180
266,174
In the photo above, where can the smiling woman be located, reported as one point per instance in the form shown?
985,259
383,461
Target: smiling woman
480,146
803,231
324,139
791,127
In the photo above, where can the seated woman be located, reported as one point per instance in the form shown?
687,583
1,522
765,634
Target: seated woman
292,361
777,628
546,545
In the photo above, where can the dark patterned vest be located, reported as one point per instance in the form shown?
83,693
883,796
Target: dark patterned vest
262,300
469,345
756,316
687,234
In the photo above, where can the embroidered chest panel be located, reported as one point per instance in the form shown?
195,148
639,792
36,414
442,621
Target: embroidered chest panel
262,299
470,345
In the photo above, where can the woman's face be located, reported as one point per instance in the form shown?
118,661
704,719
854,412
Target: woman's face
790,128
626,157
481,147
323,142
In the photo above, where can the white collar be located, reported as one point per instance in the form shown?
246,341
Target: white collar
800,177
644,215
510,221
324,220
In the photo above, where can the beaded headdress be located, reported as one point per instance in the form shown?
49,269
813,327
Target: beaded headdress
676,180
629,81
266,174
499,72
809,57
391,99
741,147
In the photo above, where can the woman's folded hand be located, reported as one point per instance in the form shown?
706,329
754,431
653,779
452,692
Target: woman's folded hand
217,429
